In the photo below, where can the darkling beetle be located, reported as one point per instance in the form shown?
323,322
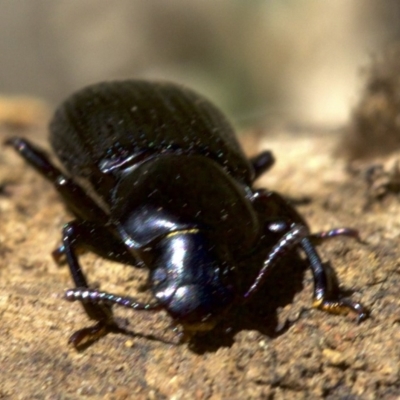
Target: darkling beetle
165,185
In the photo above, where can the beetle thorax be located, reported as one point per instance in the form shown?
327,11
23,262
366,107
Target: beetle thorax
170,193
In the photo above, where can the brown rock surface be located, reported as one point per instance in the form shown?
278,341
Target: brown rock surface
319,356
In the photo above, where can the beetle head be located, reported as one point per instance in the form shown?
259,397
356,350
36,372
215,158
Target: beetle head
192,279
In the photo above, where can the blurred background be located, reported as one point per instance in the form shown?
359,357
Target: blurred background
260,61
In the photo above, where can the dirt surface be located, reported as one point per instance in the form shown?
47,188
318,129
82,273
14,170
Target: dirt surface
374,129
318,356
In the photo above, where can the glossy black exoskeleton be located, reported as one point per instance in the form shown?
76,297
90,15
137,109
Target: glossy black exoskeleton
156,179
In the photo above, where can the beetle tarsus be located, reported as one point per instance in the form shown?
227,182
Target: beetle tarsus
319,237
58,255
326,290
341,306
87,336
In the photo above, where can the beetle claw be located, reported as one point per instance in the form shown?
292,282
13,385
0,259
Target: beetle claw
83,338
342,306
58,255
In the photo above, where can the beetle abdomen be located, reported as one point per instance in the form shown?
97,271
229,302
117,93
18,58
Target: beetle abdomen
110,122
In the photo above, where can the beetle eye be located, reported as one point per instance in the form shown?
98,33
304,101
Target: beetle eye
278,226
159,276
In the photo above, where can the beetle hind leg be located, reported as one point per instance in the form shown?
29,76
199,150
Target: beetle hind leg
75,197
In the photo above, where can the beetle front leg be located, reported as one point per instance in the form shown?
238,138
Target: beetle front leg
97,304
326,290
289,241
101,313
99,239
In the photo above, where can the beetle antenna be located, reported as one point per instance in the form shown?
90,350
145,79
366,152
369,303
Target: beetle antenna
289,241
94,296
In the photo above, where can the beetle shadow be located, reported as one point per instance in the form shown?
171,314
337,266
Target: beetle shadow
260,313
122,328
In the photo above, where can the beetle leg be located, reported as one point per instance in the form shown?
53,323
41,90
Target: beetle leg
75,197
98,239
268,203
271,203
288,242
100,313
95,296
319,237
78,234
262,163
326,288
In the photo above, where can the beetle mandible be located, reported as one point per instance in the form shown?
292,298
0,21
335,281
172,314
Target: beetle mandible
171,191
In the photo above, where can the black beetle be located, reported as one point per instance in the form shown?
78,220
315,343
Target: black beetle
158,180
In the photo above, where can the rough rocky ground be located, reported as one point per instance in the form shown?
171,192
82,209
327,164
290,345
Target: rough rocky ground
319,356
